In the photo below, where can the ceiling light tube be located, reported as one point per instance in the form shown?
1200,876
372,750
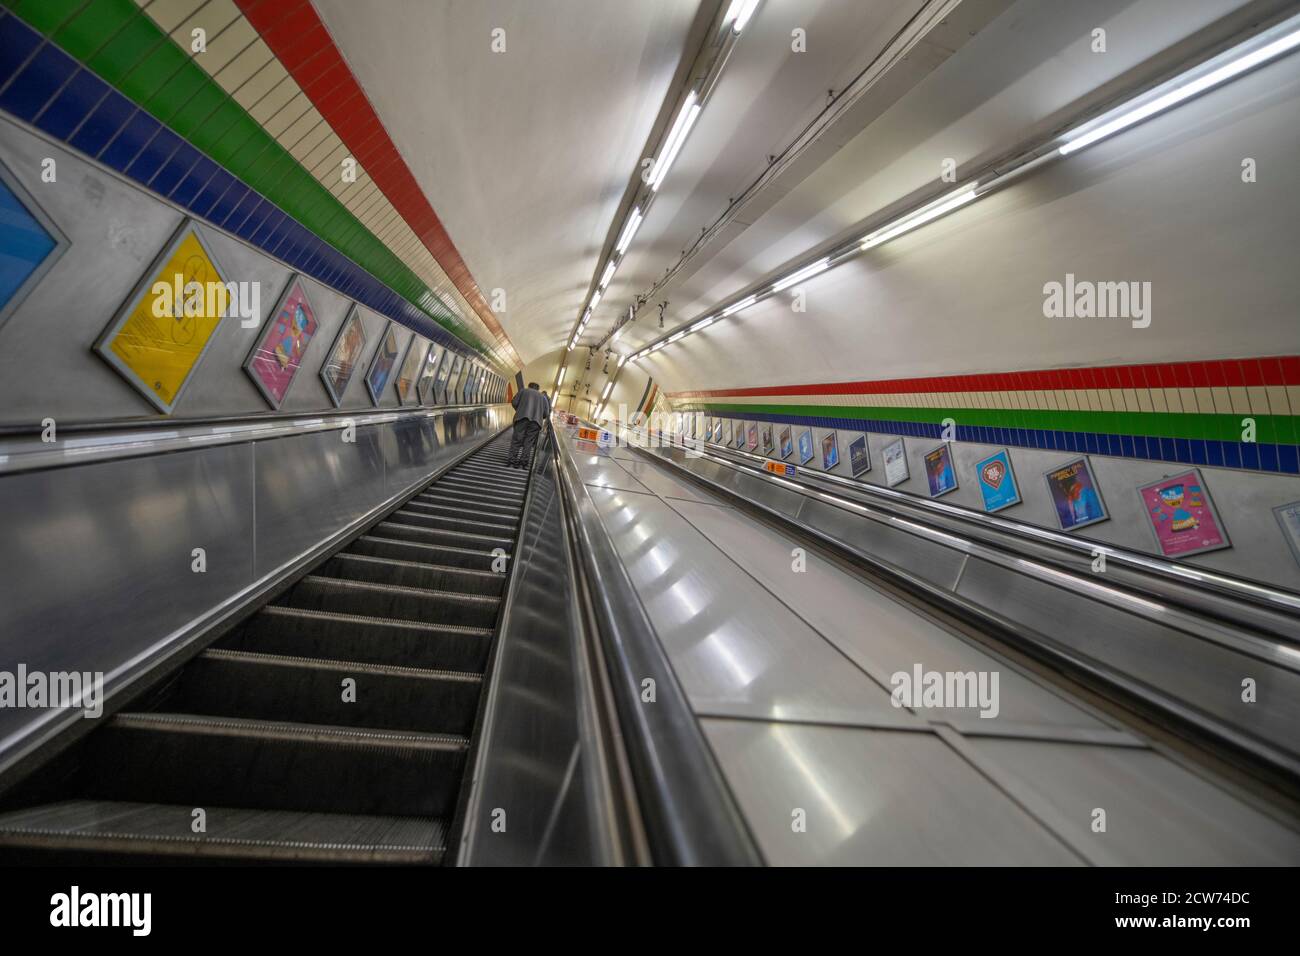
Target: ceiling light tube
595,301
685,120
1220,69
742,304
609,274
739,13
702,324
934,210
807,272
629,230
560,381
676,336
605,394
622,359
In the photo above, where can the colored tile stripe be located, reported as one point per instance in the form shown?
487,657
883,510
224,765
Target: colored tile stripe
170,127
296,35
43,85
246,68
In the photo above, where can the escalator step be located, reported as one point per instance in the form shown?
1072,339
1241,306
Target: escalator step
506,477
369,599
483,483
300,632
365,567
472,525
276,765
381,546
465,511
309,690
485,502
77,830
395,527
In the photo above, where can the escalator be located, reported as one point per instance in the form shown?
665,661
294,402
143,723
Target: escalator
333,725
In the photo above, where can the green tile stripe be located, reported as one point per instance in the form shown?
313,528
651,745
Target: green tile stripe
1279,429
121,44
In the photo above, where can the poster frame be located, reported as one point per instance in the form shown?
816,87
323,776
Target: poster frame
884,458
422,394
353,313
785,442
416,338
866,448
1209,506
946,448
1292,540
1096,487
1011,472
376,395
61,244
812,446
295,278
142,287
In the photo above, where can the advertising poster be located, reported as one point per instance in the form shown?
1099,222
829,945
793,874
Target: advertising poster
30,244
940,475
895,455
449,364
997,482
787,442
805,446
740,434
344,356
830,451
1183,516
409,372
383,363
859,456
1075,495
160,335
1288,517
726,433
277,355
765,434
751,441
424,387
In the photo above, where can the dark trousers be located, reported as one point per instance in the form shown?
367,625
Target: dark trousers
522,442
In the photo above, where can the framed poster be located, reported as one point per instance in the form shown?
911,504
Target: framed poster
382,363
751,441
441,387
895,456
408,373
424,385
765,439
859,456
940,475
30,244
997,481
740,434
1288,516
726,432
1075,495
160,335
344,356
1183,516
805,446
277,354
830,451
787,442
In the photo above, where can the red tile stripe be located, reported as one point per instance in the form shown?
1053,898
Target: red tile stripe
1220,373
294,32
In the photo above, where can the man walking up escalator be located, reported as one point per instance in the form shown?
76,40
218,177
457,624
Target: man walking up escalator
532,408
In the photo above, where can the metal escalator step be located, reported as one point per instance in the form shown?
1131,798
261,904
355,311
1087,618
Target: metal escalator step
507,476
416,574
301,632
461,486
462,510
74,830
274,765
310,690
394,601
408,549
484,502
473,525
496,483
396,527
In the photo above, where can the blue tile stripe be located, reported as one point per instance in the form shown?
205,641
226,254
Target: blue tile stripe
1284,459
43,86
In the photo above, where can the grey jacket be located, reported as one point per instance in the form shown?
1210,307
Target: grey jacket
532,404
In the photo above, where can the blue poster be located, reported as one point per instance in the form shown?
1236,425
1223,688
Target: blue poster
939,473
805,446
997,482
25,244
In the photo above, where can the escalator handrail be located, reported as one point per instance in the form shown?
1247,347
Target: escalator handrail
690,815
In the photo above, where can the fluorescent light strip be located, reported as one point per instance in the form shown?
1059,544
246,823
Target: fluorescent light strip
676,336
739,13
934,210
1239,61
681,127
702,324
633,223
605,394
560,381
805,273
595,301
621,360
609,274
742,304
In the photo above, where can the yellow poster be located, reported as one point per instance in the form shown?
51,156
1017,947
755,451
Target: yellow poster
158,340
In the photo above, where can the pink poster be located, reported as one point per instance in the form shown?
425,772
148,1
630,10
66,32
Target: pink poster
275,359
1182,515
